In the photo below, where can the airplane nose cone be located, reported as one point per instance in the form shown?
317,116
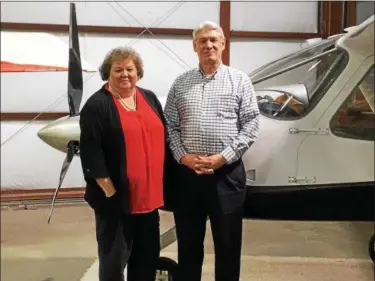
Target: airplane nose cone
44,135
58,133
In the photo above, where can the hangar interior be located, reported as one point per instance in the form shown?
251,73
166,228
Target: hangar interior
257,33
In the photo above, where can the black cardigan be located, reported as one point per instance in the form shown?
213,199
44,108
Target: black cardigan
103,152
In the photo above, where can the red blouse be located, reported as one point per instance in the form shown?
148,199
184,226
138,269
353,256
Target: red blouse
144,138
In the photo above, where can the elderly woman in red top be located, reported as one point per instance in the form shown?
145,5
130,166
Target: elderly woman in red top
122,149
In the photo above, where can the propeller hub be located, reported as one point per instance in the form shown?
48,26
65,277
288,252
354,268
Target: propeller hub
59,133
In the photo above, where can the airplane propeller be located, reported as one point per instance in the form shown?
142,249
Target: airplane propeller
75,92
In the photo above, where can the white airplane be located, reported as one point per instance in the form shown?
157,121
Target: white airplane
314,158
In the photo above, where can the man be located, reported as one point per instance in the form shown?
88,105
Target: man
212,119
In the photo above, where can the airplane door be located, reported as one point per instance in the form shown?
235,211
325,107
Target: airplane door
343,150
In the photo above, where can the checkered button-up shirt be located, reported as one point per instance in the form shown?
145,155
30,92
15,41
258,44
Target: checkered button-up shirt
210,115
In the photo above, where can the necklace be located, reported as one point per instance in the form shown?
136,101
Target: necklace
123,102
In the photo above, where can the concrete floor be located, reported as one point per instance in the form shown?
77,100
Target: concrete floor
65,250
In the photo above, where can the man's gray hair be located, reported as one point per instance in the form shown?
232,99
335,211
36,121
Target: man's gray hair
207,25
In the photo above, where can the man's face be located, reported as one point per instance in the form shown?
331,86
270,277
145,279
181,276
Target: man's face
209,45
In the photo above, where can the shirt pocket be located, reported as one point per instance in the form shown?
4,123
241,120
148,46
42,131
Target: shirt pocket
229,106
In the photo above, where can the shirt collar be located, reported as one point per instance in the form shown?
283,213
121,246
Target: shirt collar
218,70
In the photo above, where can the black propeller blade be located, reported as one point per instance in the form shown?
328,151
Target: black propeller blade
75,80
64,169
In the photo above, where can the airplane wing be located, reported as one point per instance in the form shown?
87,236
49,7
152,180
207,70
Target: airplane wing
35,51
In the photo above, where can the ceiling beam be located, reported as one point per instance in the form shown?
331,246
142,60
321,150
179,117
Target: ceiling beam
27,116
350,13
44,27
273,35
331,17
225,25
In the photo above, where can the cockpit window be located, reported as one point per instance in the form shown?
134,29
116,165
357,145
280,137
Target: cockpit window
296,57
355,119
292,88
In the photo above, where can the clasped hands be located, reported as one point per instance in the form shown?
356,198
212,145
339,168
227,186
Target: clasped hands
203,164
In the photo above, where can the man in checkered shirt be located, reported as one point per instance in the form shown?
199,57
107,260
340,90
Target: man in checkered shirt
212,119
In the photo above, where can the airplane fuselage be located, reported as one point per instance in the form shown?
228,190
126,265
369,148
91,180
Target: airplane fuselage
277,158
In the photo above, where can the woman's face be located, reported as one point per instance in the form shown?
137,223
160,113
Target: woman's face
123,75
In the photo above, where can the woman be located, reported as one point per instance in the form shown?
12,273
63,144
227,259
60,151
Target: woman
122,150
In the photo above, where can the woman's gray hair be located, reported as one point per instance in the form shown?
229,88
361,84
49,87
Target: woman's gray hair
207,25
118,54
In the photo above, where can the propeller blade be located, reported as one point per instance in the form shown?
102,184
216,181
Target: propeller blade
75,79
64,169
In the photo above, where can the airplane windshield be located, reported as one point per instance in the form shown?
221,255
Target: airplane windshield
292,87
295,57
